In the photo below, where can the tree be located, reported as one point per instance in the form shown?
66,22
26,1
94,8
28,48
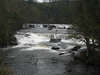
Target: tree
86,23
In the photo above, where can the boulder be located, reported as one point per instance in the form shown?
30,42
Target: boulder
76,48
55,48
13,41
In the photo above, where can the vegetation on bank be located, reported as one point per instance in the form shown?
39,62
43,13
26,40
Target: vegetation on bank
87,25
4,69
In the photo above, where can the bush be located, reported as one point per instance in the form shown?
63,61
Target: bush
93,60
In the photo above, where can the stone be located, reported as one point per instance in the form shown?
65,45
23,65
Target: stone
76,48
55,48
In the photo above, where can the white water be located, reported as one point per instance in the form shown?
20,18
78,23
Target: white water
38,38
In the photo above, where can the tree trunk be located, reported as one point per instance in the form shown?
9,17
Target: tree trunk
88,46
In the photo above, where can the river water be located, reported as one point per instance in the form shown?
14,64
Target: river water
33,54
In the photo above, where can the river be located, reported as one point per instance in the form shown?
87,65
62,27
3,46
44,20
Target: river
34,54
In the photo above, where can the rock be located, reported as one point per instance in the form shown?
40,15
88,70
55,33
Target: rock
13,41
45,25
55,48
76,48
55,40
51,27
31,26
26,35
61,53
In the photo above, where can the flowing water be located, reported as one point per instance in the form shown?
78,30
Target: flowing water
33,54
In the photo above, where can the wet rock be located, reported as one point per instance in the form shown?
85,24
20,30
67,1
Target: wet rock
13,41
76,48
55,40
51,27
61,53
55,48
31,26
26,35
45,25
